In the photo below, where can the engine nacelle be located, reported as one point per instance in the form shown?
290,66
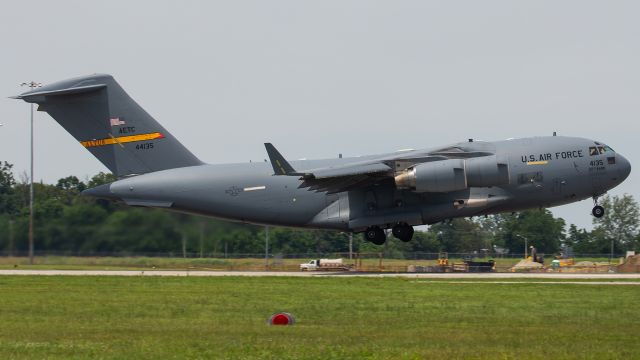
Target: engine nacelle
453,175
486,171
437,176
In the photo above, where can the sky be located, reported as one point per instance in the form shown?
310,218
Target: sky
318,78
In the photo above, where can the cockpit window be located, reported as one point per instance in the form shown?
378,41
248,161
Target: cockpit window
600,150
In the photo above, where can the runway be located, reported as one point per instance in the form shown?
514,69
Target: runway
201,273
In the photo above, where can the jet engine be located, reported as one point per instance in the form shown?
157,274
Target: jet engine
453,175
486,171
437,176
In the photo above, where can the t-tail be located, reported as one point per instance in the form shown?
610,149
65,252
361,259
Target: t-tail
111,125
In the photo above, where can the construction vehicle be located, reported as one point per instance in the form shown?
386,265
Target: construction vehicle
443,259
480,266
467,265
559,262
326,265
443,262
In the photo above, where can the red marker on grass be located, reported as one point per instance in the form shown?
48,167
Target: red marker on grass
281,318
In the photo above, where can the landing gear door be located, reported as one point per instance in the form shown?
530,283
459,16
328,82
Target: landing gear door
338,207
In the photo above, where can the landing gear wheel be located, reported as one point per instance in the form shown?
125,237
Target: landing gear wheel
375,235
598,211
403,232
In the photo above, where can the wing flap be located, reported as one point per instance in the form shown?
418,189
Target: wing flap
349,170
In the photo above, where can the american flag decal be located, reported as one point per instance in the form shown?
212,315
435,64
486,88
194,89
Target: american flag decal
116,121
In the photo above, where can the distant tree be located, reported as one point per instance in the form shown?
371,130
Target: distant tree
8,200
101,178
136,230
586,242
620,222
7,181
243,240
82,222
425,241
68,188
576,238
459,236
71,183
538,227
491,227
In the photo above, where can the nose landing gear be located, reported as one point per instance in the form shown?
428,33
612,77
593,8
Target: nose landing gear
597,211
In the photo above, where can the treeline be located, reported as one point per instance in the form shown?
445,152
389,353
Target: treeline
68,222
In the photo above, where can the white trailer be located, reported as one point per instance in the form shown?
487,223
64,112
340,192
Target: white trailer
325,264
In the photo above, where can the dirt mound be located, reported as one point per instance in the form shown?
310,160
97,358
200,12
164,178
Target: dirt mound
527,265
630,265
584,264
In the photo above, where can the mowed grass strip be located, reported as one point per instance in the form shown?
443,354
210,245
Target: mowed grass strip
337,318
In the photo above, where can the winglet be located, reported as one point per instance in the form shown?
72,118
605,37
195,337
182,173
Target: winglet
280,165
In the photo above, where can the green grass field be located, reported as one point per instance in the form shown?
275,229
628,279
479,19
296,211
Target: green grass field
337,318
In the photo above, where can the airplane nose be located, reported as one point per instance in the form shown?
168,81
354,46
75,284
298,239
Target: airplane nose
624,167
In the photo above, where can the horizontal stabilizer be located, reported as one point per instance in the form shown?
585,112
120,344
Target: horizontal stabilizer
58,92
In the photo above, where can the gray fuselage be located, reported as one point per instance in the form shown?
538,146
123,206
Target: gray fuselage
543,172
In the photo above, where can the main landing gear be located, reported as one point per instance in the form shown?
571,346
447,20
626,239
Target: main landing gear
597,211
401,231
375,235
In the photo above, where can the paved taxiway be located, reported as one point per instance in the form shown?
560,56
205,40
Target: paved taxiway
201,273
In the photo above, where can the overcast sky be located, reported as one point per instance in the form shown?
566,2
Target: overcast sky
327,77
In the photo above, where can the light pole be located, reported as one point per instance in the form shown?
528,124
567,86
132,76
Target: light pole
525,245
611,256
266,247
32,85
11,238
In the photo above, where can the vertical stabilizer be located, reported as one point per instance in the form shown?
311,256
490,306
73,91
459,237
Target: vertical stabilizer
111,125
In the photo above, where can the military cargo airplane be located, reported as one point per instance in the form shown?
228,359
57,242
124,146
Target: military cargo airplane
367,194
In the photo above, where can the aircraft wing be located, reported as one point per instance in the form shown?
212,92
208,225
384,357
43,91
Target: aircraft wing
364,173
346,177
